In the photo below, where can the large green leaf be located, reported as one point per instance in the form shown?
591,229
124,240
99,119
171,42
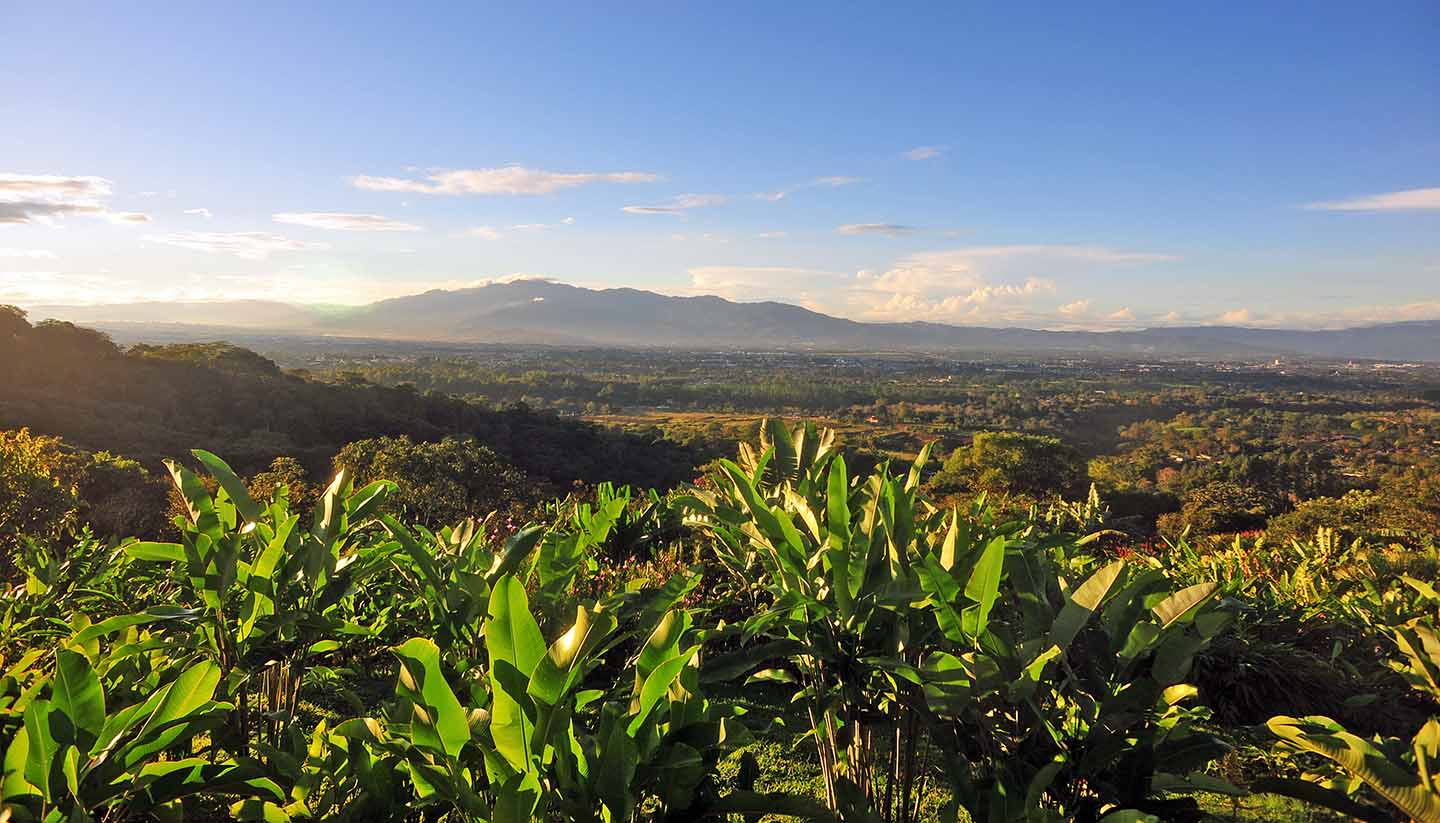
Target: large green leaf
515,645
233,485
76,692
983,587
163,552
1083,603
441,725
41,747
943,592
656,685
164,712
560,668
1359,757
511,633
1180,603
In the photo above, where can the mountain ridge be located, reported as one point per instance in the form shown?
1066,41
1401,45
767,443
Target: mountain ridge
549,312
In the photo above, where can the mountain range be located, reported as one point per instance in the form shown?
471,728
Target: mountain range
550,313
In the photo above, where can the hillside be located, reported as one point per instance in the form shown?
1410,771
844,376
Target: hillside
156,402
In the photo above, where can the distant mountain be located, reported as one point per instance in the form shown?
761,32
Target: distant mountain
543,312
258,314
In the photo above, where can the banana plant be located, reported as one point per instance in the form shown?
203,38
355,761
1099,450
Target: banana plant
268,597
448,576
1404,773
915,633
541,745
81,754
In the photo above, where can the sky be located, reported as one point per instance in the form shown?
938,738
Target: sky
1050,165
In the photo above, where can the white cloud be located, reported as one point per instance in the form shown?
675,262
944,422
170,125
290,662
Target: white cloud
27,198
834,181
502,180
483,232
1237,317
251,245
924,152
568,221
1348,317
1121,315
343,221
772,235
884,229
28,254
1408,200
205,213
679,204
983,284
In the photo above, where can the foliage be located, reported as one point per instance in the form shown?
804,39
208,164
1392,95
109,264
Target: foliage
1013,463
440,482
337,659
912,633
1404,773
48,489
1220,507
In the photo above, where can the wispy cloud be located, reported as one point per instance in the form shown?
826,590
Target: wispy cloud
883,229
924,152
1407,200
679,204
568,221
53,187
788,284
123,217
248,245
820,182
28,254
205,213
27,198
343,221
772,235
501,180
483,232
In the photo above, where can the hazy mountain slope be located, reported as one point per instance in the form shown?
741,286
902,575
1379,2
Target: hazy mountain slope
535,311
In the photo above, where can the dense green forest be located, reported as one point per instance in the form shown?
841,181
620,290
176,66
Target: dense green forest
1191,594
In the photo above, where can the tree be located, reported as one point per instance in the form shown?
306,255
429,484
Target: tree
1356,514
440,483
288,473
1031,465
1219,507
34,501
48,487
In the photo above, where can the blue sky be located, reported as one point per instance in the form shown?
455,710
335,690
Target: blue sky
1069,166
